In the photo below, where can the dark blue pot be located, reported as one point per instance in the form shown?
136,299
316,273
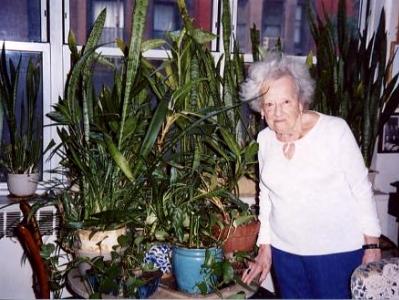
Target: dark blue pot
151,284
187,264
150,280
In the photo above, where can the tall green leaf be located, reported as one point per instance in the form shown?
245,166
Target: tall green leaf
133,58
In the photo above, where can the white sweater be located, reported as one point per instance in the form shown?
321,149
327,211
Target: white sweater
320,201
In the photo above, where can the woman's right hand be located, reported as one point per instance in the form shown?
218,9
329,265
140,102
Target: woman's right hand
261,265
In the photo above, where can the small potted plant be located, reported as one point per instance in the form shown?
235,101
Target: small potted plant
21,155
126,275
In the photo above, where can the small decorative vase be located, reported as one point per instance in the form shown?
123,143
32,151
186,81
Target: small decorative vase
22,185
160,256
187,267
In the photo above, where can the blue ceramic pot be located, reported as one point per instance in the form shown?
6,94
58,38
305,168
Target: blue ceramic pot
159,255
187,264
151,283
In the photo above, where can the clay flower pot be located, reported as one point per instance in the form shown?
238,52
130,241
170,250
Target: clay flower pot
241,238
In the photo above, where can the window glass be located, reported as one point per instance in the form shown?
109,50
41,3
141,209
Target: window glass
20,20
284,19
104,75
166,17
162,16
21,97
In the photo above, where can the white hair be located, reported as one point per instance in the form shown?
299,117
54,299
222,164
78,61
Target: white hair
274,68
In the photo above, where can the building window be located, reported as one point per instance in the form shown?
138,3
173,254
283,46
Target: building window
166,18
20,20
272,19
162,16
114,23
284,19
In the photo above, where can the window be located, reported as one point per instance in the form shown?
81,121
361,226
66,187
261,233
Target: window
114,24
298,25
162,16
284,19
272,19
21,20
23,27
166,18
104,75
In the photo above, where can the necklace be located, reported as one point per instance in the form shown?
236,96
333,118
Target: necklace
289,138
289,150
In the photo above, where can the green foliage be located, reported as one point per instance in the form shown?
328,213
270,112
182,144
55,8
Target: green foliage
352,75
168,165
122,275
57,265
101,134
23,153
205,145
219,274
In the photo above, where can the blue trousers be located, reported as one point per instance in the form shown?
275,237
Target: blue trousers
314,276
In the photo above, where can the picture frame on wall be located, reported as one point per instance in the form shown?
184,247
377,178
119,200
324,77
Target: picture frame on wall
389,136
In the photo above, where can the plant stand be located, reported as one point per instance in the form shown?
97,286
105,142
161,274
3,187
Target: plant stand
82,289
164,292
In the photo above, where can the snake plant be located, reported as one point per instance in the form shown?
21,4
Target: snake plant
23,152
105,137
352,75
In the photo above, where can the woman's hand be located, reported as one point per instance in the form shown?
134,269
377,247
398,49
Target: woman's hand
371,255
261,265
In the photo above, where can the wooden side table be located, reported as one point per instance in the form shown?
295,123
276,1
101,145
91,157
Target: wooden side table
82,289
165,293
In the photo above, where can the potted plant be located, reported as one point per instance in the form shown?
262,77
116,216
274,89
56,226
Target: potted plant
22,154
126,275
352,76
237,146
105,139
119,143
192,183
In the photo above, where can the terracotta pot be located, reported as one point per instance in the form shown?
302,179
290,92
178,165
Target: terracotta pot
241,238
22,185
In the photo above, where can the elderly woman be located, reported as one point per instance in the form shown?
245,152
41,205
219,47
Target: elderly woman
317,213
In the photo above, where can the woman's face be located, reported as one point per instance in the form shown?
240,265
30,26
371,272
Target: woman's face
280,106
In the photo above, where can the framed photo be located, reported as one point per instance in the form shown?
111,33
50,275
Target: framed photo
389,137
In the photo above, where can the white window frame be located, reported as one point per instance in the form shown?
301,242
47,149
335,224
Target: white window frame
44,50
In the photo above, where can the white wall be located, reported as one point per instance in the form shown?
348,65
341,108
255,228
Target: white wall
387,164
15,277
